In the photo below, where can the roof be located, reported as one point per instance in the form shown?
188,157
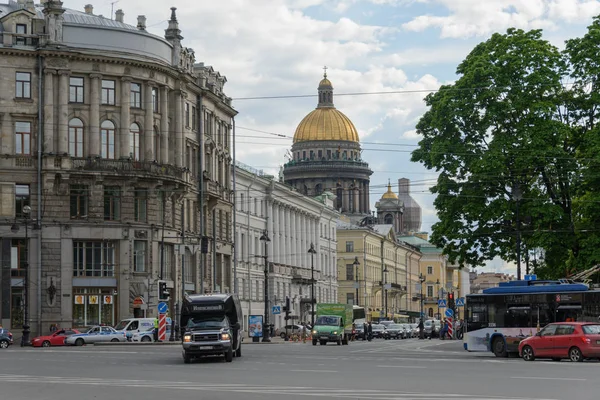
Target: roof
326,124
389,194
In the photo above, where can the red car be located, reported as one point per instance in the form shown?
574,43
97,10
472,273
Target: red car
56,339
573,340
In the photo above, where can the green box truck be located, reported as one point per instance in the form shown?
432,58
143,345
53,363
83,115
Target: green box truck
333,324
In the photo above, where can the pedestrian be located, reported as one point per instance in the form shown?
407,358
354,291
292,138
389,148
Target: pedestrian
155,333
421,329
370,333
365,330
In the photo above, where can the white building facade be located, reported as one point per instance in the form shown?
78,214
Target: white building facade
292,222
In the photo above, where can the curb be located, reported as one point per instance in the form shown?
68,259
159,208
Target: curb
174,343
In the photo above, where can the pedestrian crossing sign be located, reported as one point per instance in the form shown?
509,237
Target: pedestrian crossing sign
460,302
442,303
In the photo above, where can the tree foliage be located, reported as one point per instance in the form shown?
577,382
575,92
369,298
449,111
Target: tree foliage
517,133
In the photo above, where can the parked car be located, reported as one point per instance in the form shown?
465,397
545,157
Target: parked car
432,328
378,330
415,330
359,332
6,338
96,334
148,336
56,339
573,340
291,329
394,331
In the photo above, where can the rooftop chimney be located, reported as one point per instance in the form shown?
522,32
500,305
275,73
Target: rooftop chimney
119,15
89,9
141,22
30,5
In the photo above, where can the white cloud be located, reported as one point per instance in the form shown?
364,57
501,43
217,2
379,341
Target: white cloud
411,134
468,18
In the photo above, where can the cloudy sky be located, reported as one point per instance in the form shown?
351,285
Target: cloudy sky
279,47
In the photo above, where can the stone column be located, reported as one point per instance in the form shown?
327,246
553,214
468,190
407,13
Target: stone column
288,236
356,200
274,232
125,149
148,133
164,126
293,237
303,249
63,112
282,249
178,154
48,146
94,133
345,197
367,207
269,205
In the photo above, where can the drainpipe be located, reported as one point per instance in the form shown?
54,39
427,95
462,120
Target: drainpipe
39,190
201,189
235,282
248,244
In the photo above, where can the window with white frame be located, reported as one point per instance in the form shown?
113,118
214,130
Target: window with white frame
93,259
139,255
23,85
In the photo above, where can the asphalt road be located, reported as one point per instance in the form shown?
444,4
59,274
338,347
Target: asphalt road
403,369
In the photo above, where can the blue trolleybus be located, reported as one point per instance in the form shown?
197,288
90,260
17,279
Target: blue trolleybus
500,317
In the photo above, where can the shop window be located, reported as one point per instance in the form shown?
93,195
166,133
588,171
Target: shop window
94,306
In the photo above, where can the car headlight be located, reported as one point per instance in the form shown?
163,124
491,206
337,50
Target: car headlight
225,336
187,338
314,331
335,332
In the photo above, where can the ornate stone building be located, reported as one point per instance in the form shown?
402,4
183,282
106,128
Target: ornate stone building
107,133
327,156
292,222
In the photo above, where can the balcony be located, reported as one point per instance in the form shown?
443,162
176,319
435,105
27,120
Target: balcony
23,161
325,166
125,167
10,39
394,286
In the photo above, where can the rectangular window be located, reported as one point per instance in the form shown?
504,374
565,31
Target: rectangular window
155,100
189,268
21,200
430,270
349,272
187,115
139,255
136,95
169,258
75,90
76,138
349,247
194,124
349,298
112,203
23,138
140,205
78,201
23,89
94,259
429,291
108,92
21,30
161,208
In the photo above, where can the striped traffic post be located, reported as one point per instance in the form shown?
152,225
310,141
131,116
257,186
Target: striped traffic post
449,317
162,321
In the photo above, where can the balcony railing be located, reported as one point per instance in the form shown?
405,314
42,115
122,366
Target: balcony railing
127,166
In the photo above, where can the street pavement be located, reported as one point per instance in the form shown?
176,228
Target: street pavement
378,370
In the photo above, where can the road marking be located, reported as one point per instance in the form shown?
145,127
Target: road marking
313,370
547,378
402,366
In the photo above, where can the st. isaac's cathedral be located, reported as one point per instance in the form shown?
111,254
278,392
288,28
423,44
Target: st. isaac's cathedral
326,156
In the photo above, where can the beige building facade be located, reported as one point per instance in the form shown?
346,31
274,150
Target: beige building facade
107,134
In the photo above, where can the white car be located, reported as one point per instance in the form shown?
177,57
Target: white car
96,334
148,336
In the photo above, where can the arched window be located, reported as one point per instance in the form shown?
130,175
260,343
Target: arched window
134,141
107,139
430,312
389,219
76,138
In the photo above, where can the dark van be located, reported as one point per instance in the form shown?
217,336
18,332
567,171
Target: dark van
211,325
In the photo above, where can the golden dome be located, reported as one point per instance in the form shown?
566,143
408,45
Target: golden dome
326,124
325,82
389,194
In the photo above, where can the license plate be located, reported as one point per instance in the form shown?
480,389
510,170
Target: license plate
205,347
324,337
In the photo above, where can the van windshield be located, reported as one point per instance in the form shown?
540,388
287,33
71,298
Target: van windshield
207,322
121,325
331,321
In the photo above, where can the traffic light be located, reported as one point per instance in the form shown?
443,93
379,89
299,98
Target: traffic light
287,308
163,292
451,300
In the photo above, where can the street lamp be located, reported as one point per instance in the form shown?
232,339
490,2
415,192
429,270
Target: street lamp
15,228
357,284
266,327
385,272
518,196
437,288
421,280
312,252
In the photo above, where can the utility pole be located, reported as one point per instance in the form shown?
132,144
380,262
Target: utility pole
266,326
312,252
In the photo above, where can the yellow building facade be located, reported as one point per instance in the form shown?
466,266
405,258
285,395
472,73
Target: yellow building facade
375,271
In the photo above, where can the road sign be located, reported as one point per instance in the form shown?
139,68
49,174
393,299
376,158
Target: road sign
449,313
442,303
162,307
460,302
531,277
276,310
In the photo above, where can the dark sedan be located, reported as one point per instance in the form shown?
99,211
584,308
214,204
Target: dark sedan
378,330
394,331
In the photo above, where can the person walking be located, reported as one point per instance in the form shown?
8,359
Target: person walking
365,331
421,329
370,331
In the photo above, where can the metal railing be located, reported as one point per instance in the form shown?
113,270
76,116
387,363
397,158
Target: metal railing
127,166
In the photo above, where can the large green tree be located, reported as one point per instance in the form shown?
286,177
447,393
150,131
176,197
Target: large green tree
507,141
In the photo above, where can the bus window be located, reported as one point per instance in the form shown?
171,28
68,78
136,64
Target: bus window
543,312
570,312
517,316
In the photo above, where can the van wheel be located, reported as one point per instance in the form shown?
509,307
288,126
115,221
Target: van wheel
322,342
187,359
499,347
238,352
314,342
339,342
229,355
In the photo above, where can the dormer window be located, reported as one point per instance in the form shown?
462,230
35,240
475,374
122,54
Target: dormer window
21,29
